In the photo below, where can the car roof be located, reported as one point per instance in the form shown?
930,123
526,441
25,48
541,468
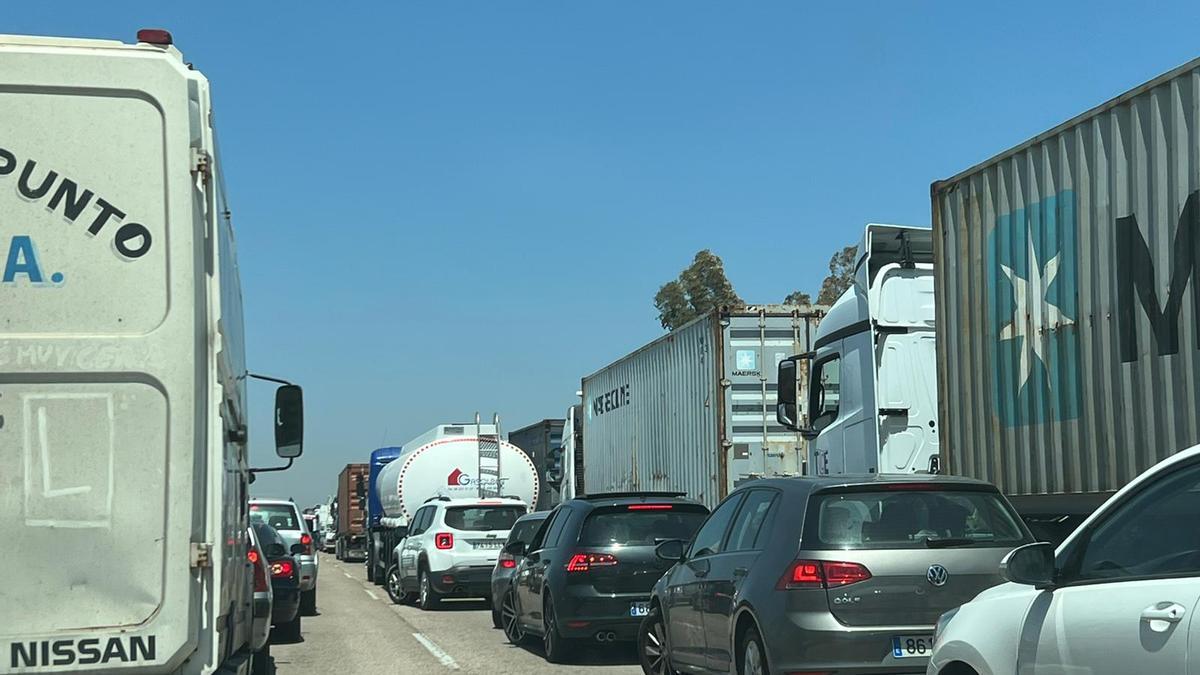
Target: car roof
818,483
536,515
474,501
624,498
269,501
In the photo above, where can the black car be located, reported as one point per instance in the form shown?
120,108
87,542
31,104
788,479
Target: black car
588,573
285,581
506,564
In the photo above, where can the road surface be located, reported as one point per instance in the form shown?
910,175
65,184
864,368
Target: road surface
359,630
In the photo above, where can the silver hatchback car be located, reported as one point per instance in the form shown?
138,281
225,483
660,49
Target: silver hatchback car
843,575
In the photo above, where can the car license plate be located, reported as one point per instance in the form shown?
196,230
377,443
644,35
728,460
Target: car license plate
488,544
639,608
911,646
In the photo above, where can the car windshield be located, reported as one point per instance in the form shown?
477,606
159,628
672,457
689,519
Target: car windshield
620,526
278,516
907,518
483,518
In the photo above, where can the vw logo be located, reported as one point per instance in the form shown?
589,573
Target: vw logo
937,575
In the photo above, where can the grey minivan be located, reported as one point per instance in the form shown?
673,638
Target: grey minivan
838,574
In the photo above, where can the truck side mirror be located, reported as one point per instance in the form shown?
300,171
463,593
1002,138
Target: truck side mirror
289,421
787,408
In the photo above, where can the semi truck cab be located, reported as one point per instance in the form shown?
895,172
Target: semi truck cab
871,379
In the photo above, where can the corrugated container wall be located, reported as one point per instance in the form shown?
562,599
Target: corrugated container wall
540,441
1067,299
351,509
694,411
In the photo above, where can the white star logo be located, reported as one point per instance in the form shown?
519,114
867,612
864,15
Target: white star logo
1033,313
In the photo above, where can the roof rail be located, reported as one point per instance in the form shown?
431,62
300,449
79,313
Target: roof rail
615,495
439,498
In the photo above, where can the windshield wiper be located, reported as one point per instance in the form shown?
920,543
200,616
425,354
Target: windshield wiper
949,542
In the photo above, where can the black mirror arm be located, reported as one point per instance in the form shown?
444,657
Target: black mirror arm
285,467
268,378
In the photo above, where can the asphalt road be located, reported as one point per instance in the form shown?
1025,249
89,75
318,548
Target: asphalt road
359,630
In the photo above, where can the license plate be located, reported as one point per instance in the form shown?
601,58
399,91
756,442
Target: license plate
911,646
639,608
488,545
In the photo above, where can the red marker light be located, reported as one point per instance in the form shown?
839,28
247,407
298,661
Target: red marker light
155,36
252,556
650,507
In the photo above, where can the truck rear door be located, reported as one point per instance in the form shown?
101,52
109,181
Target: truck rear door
101,350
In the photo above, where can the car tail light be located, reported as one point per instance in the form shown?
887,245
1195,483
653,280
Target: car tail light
260,577
284,569
306,540
582,562
252,556
507,562
650,507
822,574
443,540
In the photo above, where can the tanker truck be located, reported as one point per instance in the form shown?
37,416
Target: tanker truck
450,461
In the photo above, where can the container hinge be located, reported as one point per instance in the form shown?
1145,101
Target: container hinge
201,554
202,164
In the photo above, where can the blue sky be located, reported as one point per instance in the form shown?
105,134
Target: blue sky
445,207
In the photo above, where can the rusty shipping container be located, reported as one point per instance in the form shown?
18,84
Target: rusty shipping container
351,506
1067,301
694,411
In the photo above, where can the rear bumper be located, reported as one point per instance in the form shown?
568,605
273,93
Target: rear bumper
286,605
818,642
582,613
463,581
308,572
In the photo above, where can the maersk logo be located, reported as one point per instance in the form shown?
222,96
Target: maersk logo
1033,306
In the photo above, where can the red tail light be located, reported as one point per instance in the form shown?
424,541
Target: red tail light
283,569
822,574
582,562
507,561
650,507
306,540
252,556
443,540
260,577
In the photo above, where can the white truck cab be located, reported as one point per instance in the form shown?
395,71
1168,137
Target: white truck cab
871,379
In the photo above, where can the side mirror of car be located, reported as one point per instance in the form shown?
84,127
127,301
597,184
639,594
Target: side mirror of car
671,550
515,548
1030,565
298,549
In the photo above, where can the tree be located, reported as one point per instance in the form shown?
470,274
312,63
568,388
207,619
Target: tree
798,298
700,288
841,276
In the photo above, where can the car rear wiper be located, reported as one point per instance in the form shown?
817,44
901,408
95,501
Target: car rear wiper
949,542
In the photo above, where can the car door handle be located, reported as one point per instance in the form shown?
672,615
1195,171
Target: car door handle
1171,612
740,572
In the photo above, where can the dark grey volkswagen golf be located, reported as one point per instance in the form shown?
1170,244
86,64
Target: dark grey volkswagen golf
842,575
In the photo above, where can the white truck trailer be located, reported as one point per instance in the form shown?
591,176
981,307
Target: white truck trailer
451,460
123,419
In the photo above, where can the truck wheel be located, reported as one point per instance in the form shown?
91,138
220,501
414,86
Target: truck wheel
427,596
308,602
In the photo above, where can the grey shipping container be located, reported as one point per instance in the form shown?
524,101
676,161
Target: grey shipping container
542,441
694,411
1067,306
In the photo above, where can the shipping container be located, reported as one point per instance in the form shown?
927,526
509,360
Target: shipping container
542,441
1067,307
694,411
351,512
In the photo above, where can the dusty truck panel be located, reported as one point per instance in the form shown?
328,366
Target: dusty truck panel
695,409
542,441
1067,300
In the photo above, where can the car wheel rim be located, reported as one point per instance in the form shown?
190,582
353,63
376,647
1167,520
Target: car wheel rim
548,616
424,589
753,661
652,649
508,615
394,583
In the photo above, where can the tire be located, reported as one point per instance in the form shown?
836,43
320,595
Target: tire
261,661
510,620
291,630
370,567
308,602
556,647
392,583
653,653
427,596
496,621
337,548
752,654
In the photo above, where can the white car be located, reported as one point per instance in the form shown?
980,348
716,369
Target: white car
285,517
450,550
1120,596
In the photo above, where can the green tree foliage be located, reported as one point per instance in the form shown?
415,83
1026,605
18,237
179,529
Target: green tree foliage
700,288
798,298
841,276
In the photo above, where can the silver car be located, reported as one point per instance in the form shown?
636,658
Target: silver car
832,574
263,599
285,517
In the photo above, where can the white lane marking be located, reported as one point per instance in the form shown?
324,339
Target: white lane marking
347,575
431,647
368,592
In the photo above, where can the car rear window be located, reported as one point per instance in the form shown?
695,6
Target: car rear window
278,516
524,530
908,518
623,526
483,518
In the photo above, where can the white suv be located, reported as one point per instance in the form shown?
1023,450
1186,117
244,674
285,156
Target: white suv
450,549
285,517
